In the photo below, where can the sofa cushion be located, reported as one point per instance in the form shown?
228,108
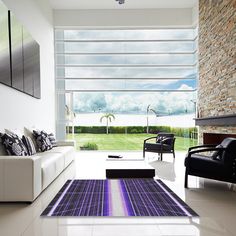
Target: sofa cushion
42,140
61,149
52,165
66,151
13,145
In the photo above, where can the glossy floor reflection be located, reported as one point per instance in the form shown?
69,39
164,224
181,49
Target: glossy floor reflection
213,201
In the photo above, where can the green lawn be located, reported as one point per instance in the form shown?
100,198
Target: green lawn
125,141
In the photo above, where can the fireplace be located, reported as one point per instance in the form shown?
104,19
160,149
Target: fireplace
212,130
215,138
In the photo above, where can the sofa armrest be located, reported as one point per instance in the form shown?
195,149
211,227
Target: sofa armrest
66,143
20,178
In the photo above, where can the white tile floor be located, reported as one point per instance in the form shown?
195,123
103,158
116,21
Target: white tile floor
214,201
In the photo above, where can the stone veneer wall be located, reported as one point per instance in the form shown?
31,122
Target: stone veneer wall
217,62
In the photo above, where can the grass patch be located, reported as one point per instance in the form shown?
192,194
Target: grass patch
131,142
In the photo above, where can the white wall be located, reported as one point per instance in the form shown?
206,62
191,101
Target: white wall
124,18
18,109
196,14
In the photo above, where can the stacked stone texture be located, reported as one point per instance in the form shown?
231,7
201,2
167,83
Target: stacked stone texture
217,61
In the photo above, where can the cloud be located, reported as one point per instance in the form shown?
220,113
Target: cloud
185,87
162,102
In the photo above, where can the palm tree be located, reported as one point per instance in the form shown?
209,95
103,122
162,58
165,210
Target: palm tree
148,110
108,117
70,116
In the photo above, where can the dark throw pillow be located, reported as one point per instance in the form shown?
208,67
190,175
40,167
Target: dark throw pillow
216,155
52,139
167,141
42,140
13,145
29,145
159,139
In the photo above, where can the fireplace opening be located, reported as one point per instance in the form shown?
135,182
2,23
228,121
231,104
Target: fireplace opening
215,138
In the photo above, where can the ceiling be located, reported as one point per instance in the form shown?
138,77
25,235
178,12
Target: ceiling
113,4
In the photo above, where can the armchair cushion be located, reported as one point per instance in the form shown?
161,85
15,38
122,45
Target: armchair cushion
153,146
205,164
157,147
167,141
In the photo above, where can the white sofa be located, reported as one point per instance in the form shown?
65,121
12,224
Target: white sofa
22,179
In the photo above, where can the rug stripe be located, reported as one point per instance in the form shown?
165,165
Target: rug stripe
174,199
116,199
61,197
123,199
190,210
127,200
108,200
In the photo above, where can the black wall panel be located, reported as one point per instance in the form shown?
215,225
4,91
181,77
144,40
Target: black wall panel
37,82
17,54
5,72
31,63
28,61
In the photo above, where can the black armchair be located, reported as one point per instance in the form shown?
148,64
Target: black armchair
164,143
219,165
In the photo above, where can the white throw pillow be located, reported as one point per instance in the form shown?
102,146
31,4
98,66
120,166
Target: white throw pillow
18,132
29,132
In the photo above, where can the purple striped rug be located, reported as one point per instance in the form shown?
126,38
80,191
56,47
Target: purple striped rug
123,197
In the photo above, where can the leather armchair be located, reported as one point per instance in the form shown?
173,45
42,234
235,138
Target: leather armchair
219,165
164,143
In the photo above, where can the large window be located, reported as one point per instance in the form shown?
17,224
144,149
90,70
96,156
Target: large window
124,71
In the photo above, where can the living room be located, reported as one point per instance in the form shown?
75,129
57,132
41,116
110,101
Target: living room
114,74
